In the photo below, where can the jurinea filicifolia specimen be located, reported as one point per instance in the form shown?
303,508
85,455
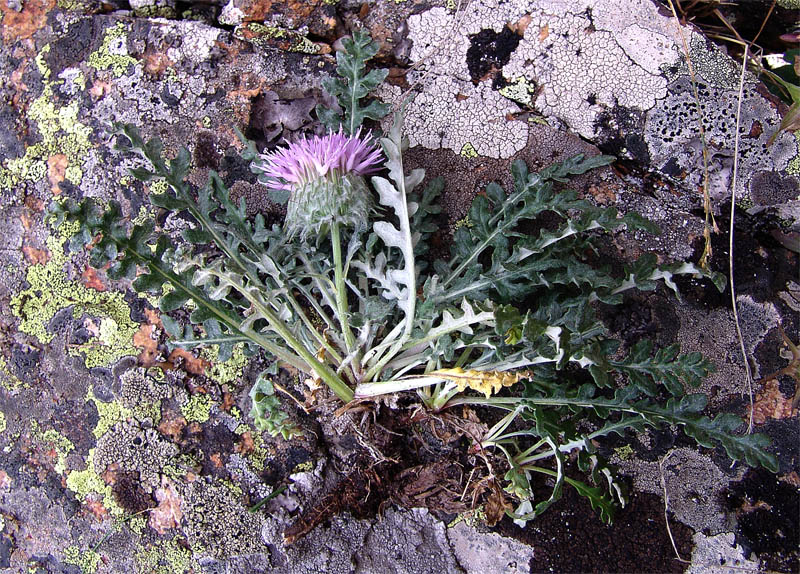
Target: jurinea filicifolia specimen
325,177
348,292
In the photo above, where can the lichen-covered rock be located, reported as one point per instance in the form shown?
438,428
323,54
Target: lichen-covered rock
90,440
614,72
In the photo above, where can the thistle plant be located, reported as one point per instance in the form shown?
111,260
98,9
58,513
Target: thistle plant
348,293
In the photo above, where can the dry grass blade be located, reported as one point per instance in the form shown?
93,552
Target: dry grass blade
734,178
710,224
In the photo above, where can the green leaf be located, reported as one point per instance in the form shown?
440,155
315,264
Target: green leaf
597,497
353,85
172,300
266,412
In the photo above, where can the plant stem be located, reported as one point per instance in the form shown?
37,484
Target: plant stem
341,294
321,369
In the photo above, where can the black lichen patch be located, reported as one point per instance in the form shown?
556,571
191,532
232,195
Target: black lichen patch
216,444
129,494
10,145
767,517
771,188
272,117
7,546
642,316
762,267
489,51
569,537
785,436
25,360
206,153
73,45
235,169
620,131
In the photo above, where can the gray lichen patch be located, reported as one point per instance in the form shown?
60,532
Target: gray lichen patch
694,487
403,541
590,61
720,554
478,552
133,449
714,334
582,71
582,57
217,523
673,136
142,394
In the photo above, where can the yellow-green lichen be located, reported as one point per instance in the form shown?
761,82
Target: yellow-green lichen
166,557
197,408
61,134
159,186
3,424
41,64
794,166
473,518
624,452
145,214
75,5
50,291
521,90
260,33
468,150
137,523
229,372
108,414
87,560
58,442
113,53
463,222
9,380
303,467
86,482
177,468
155,11
259,455
235,489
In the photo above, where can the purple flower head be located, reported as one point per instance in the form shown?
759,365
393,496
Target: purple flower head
324,176
332,156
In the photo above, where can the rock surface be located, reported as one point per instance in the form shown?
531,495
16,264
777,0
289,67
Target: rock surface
108,467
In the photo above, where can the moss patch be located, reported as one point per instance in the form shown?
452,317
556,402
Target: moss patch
50,291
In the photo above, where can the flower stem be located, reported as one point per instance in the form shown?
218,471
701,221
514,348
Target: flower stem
341,293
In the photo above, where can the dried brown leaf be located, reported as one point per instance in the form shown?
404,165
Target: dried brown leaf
168,513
